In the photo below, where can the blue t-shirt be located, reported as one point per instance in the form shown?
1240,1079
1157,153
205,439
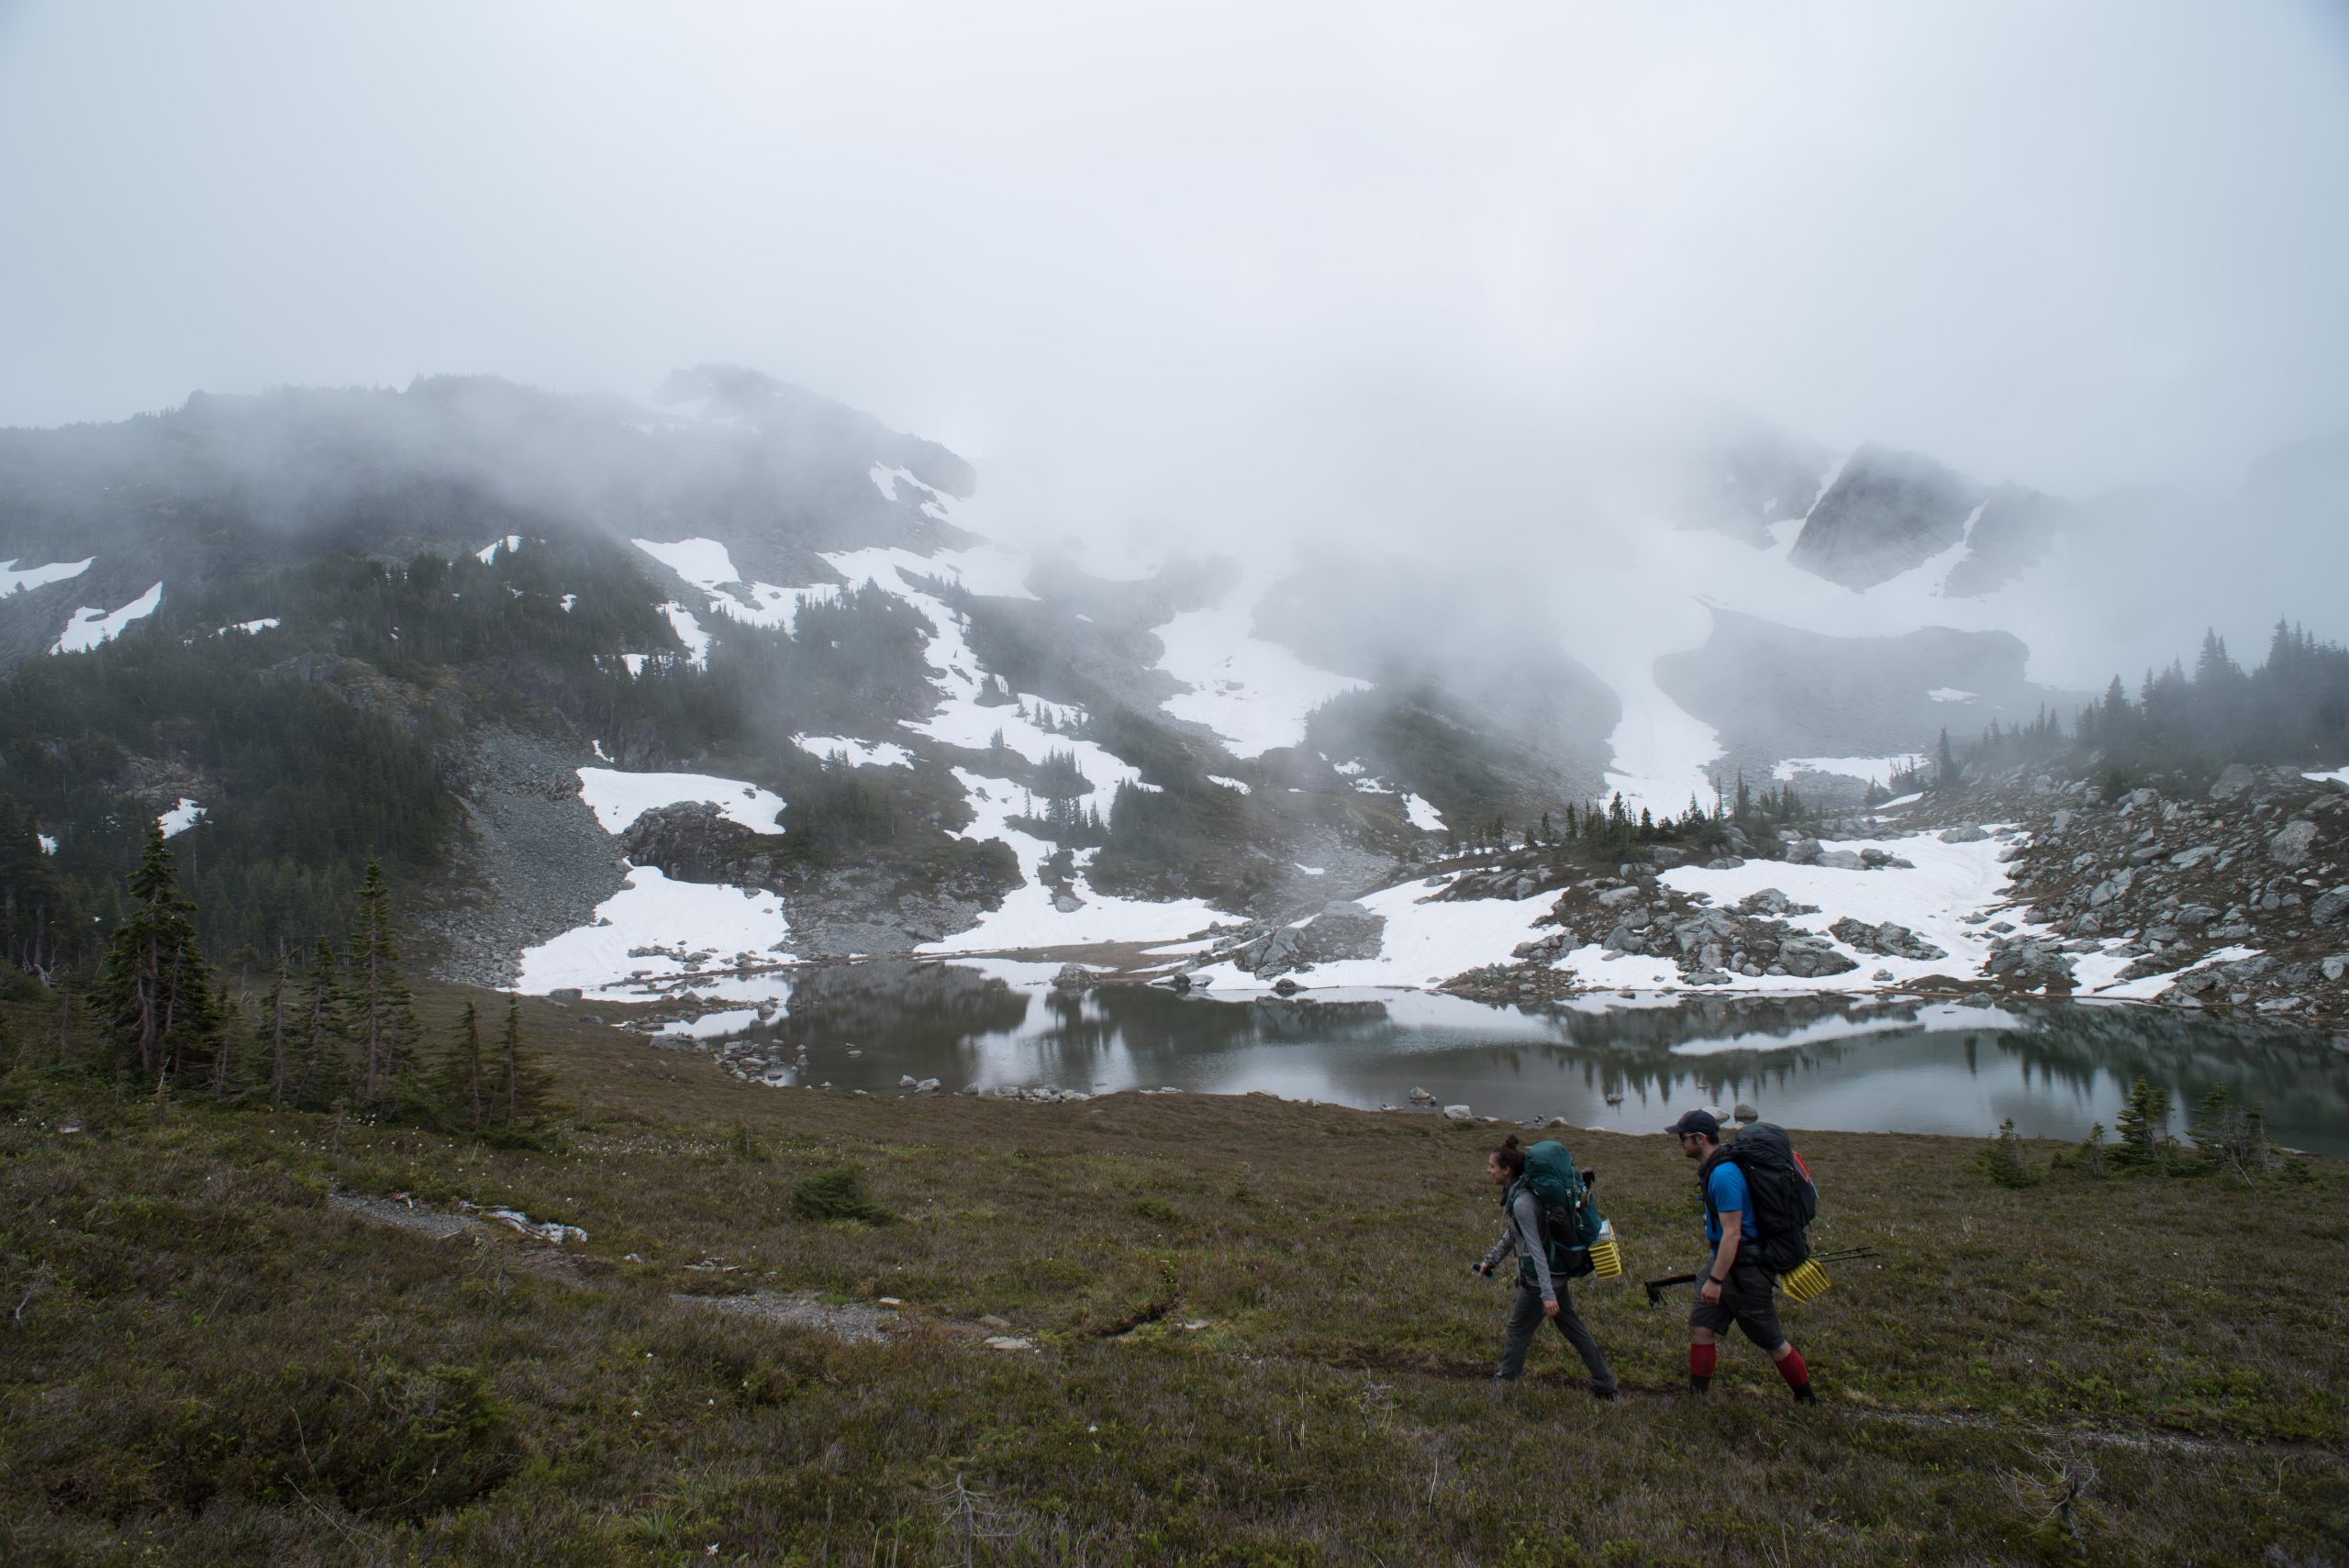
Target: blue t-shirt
1724,1190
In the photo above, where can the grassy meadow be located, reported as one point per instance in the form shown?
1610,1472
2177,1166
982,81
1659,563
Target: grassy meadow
1254,1342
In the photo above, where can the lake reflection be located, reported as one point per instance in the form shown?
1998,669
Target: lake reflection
1818,1063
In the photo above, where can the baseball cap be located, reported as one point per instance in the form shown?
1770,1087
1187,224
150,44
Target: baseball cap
1696,1123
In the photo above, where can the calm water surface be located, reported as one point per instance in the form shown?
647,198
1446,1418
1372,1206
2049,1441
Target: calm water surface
1861,1067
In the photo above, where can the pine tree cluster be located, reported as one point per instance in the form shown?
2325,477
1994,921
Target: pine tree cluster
336,1033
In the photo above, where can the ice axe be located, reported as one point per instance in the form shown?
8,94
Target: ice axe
1656,1287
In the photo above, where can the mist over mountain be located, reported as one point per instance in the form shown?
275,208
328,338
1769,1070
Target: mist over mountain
521,598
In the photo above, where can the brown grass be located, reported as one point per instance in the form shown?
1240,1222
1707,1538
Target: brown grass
212,1364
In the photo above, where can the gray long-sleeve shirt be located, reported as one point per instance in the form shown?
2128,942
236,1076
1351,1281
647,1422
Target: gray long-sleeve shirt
1521,1234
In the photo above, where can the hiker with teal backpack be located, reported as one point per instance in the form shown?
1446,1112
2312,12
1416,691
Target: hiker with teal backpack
1549,1224
1758,1196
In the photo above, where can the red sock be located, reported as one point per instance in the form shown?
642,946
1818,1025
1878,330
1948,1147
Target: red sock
1791,1367
1701,1360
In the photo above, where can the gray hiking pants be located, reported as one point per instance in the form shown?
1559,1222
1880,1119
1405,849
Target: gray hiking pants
1525,1317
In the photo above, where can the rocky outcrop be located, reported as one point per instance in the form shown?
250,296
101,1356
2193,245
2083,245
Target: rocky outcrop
1891,939
1341,930
1887,512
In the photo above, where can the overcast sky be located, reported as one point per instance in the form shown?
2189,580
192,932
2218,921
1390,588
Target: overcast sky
1384,255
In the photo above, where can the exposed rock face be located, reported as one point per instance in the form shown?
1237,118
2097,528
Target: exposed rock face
1887,512
2010,537
689,842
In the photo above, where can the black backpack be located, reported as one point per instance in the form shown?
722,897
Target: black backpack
1786,1200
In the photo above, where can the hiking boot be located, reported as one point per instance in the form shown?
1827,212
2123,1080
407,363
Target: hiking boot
1606,1394
1803,1395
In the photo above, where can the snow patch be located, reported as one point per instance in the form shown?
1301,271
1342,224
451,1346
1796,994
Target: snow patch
655,931
617,799
48,844
1241,785
1422,816
251,628
1253,694
860,753
568,601
2338,775
1950,693
487,554
181,817
92,626
1422,943
690,633
16,580
1874,770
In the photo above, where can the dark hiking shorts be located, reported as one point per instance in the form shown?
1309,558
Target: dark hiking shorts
1747,1300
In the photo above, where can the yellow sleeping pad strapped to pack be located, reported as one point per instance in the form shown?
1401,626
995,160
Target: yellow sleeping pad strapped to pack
1806,1282
1605,1256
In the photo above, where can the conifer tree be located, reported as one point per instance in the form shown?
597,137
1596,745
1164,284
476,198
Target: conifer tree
458,1082
521,1089
318,1076
156,987
273,1024
2142,1127
377,1005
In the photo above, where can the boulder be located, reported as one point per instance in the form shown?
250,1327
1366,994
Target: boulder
1811,957
2292,845
1964,835
2029,962
2235,780
1803,852
1067,903
2330,907
1458,1113
1616,897
1890,938
1341,931
1840,859
1746,1113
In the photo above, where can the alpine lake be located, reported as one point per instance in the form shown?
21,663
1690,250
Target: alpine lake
1622,1063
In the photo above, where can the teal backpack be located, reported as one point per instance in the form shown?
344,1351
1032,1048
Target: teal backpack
1570,1220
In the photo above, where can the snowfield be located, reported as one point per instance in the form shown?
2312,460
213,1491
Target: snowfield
92,626
1423,944
16,580
1255,694
654,931
860,753
619,799
1875,770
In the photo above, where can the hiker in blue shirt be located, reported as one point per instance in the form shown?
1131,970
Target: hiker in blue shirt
1731,1287
1539,1293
